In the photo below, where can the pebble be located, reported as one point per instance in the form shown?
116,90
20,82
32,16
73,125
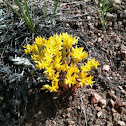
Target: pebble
70,122
120,123
117,39
111,17
103,103
112,95
123,50
91,26
95,98
123,15
67,115
88,18
106,67
111,103
99,114
38,123
39,113
117,1
1,98
99,39
28,124
98,108
1,1
124,104
69,109
54,123
16,7
118,106
109,123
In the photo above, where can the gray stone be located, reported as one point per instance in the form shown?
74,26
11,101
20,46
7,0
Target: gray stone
111,16
123,14
117,1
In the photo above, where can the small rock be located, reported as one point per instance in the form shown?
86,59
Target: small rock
124,104
117,39
16,7
106,67
1,98
99,39
38,123
123,51
111,103
39,113
109,123
99,114
117,1
70,122
111,17
112,95
1,1
120,87
95,98
79,107
67,115
28,124
103,103
124,110
118,106
69,109
113,110
123,15
88,18
115,114
54,123
120,123
122,90
91,26
98,108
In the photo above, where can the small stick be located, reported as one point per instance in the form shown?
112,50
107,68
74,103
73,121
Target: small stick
83,109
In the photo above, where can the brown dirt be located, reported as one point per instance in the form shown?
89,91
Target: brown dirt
108,47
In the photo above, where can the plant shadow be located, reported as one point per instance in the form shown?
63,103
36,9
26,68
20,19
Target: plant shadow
46,107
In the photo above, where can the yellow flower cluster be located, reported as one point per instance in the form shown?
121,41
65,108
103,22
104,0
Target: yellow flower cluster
60,59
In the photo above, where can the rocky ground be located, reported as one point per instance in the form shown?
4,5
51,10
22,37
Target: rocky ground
102,105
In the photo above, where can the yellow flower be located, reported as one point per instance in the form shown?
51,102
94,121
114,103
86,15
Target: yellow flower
64,67
77,54
49,72
89,65
54,88
59,59
45,64
68,40
34,57
68,80
34,48
86,67
55,77
27,49
46,86
38,65
82,81
89,80
38,42
57,63
72,69
94,63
